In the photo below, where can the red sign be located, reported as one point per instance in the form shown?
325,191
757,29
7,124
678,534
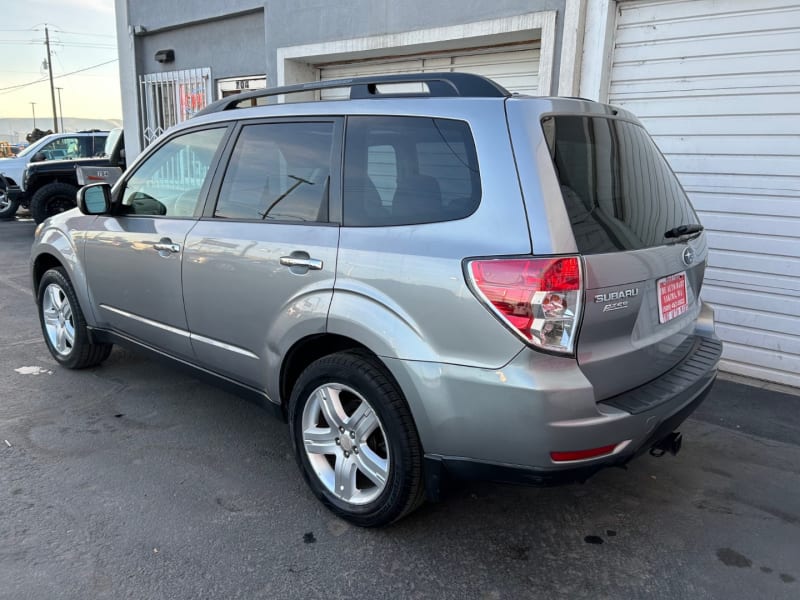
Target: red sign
192,99
672,297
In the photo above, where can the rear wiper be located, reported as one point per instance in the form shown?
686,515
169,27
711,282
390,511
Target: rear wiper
682,230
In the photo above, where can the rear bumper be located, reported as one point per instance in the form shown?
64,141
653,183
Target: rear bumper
437,468
503,424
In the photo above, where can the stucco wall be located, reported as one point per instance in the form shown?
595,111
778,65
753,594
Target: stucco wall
233,46
241,37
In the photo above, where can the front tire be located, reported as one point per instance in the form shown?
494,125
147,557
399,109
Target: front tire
52,199
8,208
355,440
63,324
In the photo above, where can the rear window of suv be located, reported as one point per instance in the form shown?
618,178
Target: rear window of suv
408,170
618,189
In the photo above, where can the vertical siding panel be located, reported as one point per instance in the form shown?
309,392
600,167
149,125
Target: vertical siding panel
718,83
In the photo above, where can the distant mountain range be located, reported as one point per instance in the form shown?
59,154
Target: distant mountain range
15,130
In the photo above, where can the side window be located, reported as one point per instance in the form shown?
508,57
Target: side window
169,181
278,172
65,147
382,171
92,146
409,170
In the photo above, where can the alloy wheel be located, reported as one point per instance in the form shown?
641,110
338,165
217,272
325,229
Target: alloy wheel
59,321
345,443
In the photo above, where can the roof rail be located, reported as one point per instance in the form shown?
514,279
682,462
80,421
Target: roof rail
440,85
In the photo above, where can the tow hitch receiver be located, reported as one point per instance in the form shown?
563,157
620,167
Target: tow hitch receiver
671,443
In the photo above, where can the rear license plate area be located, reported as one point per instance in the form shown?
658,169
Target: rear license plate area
672,297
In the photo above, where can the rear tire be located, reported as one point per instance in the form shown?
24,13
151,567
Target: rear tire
63,324
52,199
355,439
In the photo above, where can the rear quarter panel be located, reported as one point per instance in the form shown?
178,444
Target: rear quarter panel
401,290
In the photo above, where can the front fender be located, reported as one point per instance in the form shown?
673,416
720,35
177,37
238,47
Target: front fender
30,183
62,240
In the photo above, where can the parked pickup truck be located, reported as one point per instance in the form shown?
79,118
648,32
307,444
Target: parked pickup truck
53,147
49,188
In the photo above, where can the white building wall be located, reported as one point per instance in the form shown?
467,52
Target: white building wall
717,83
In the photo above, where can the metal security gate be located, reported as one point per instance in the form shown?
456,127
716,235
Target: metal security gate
170,98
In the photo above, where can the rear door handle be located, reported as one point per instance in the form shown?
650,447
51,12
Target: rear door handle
311,263
167,246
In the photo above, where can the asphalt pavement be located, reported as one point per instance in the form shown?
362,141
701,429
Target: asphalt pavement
133,480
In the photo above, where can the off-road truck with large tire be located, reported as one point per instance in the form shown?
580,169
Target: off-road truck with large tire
55,147
50,187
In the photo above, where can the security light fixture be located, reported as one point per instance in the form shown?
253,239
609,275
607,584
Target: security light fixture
165,56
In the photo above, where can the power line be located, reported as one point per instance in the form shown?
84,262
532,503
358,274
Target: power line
83,45
59,43
22,85
59,30
108,62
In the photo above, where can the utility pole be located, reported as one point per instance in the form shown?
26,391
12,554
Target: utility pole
50,69
60,110
33,108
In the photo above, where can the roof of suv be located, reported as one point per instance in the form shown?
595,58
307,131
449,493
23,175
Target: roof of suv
442,90
439,85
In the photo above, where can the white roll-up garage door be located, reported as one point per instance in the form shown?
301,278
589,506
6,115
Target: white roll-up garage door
514,67
717,83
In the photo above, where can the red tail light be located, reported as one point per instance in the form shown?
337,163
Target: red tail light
582,454
538,297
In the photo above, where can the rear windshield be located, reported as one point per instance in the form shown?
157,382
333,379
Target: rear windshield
617,187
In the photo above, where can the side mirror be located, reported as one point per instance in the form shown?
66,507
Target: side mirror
95,199
38,157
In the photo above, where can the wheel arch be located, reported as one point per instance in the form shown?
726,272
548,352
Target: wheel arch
41,264
305,351
9,181
57,249
35,182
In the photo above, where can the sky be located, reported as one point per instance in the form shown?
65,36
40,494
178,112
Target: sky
82,34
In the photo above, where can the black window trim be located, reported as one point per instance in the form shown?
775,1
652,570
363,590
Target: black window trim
334,186
119,189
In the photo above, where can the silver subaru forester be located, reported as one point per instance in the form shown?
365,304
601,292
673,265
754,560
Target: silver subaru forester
432,279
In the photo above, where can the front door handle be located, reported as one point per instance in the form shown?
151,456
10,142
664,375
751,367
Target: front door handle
167,246
293,261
